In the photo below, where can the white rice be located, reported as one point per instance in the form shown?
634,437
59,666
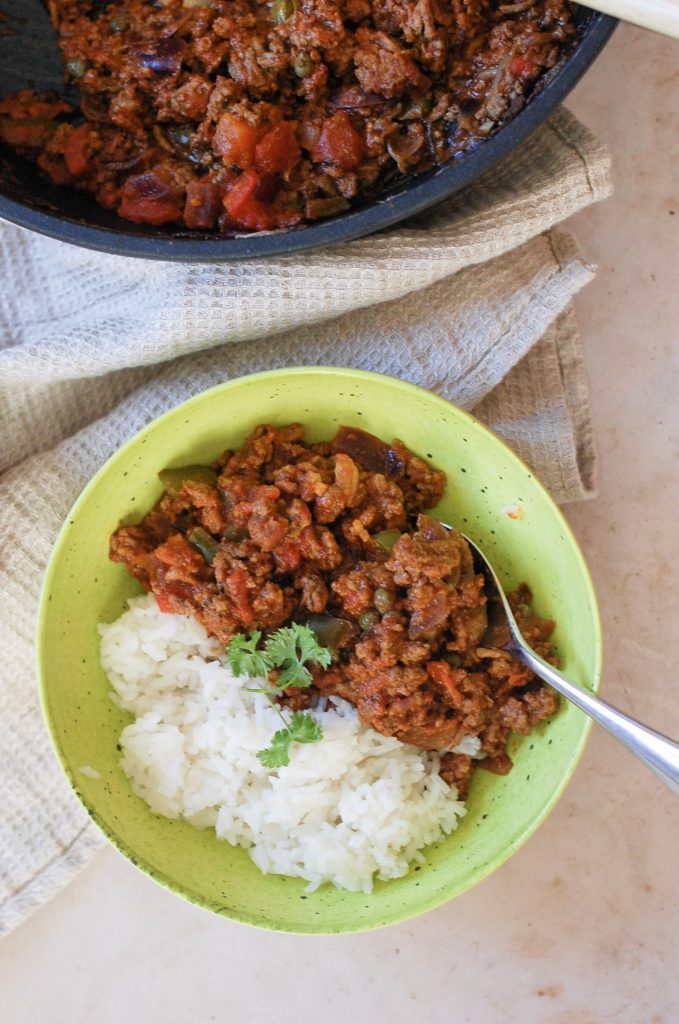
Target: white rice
346,809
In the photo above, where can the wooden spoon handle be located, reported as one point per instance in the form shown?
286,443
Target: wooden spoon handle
658,15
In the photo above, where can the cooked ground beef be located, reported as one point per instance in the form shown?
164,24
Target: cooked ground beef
242,115
284,530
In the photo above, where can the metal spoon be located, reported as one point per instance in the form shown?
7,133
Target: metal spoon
658,752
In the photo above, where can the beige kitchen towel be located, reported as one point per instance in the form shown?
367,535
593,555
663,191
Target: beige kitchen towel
472,300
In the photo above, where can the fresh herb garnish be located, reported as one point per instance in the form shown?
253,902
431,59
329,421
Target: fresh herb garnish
244,658
302,729
288,651
289,648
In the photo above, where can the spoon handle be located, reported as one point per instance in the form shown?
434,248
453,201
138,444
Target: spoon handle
660,753
658,15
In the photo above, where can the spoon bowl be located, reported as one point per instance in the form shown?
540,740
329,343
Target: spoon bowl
658,752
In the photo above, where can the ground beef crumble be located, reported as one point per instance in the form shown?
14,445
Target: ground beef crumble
283,530
241,115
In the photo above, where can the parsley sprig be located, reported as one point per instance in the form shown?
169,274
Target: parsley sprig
244,658
303,728
288,651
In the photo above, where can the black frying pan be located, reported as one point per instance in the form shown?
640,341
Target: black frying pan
29,57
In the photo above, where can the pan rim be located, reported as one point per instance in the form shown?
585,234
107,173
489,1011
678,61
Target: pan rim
377,215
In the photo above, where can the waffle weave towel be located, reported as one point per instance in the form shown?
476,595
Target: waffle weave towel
472,300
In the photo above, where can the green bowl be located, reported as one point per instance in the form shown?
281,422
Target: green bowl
82,588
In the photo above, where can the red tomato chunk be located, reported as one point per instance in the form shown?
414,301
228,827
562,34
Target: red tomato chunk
235,141
151,199
278,151
340,143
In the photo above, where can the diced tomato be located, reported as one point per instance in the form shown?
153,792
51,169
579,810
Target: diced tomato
151,199
250,205
203,205
77,150
443,674
177,552
236,586
235,141
521,67
164,601
339,143
172,596
278,151
241,203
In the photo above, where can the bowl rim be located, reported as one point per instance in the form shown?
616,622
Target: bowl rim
415,196
159,876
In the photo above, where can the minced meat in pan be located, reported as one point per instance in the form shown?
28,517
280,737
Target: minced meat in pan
238,115
284,531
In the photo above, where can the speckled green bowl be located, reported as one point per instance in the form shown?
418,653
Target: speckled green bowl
82,588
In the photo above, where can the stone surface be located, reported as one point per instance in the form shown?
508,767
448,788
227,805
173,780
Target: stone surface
582,925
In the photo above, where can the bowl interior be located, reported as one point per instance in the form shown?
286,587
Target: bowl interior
83,588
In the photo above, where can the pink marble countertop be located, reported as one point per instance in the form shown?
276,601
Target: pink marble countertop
582,925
